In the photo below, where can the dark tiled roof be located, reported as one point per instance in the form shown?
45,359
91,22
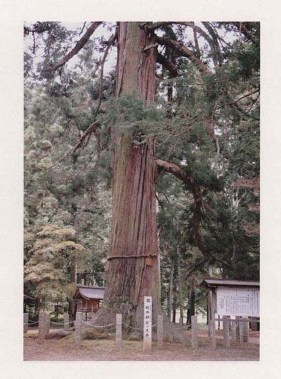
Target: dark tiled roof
231,283
88,292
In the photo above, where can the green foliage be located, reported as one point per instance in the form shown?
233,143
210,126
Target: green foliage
51,258
207,124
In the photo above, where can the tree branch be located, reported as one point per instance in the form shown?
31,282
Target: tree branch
79,45
196,207
91,129
109,44
168,65
194,267
244,30
183,51
175,170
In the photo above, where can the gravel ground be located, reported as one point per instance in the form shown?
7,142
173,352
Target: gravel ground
105,350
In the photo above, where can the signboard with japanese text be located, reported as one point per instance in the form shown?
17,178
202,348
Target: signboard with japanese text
238,302
147,323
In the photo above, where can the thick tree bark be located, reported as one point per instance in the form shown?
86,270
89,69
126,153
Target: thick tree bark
133,262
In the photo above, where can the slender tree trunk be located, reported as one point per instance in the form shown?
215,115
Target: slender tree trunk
73,270
179,275
170,295
191,305
133,267
180,292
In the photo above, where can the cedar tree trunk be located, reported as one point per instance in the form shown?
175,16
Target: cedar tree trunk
133,262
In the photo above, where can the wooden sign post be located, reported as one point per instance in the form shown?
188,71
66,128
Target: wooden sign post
194,335
25,322
118,336
147,323
160,332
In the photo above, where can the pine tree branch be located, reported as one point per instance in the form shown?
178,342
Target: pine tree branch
91,129
79,45
214,44
242,27
194,267
183,51
109,44
175,170
197,207
247,95
168,65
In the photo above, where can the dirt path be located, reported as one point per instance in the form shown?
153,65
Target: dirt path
105,350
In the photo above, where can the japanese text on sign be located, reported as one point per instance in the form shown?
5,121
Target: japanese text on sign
147,326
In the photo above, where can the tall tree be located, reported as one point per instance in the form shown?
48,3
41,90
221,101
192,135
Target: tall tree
209,94
133,262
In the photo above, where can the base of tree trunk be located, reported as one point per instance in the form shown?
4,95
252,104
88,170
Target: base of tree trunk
132,325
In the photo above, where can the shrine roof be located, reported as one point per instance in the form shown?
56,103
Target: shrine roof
211,282
88,292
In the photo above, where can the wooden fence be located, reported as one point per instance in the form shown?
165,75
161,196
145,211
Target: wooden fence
233,329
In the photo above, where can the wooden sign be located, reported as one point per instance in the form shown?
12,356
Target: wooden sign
147,323
238,302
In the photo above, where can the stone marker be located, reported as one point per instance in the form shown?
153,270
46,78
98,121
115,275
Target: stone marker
47,324
194,335
25,322
147,324
234,329
78,328
66,324
42,327
213,334
226,337
118,335
245,331
160,332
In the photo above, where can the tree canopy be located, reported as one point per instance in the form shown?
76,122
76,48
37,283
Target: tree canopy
203,119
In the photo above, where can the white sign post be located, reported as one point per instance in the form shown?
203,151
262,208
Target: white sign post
147,323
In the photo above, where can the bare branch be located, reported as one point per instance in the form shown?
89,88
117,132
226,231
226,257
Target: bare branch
83,27
79,45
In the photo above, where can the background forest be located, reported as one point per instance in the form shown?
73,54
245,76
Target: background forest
205,122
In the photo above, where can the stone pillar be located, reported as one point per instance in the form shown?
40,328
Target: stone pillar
241,331
213,334
66,321
42,327
47,323
194,335
245,330
25,322
226,332
78,328
118,334
147,324
160,332
234,329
